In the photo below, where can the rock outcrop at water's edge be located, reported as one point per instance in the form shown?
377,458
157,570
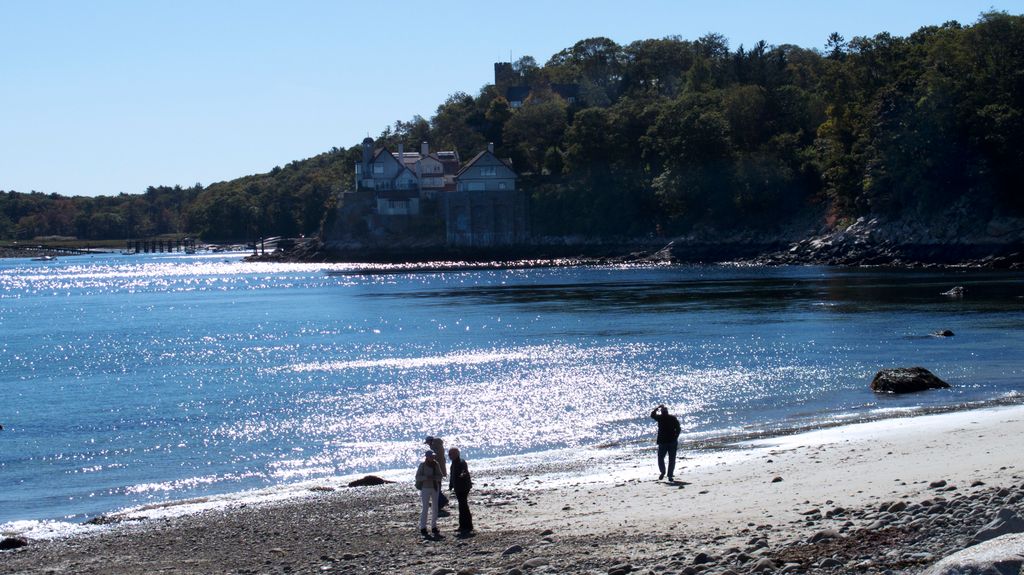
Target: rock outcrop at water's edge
866,242
874,242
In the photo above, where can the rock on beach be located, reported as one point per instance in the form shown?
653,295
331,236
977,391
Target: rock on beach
1000,556
369,480
1007,521
9,543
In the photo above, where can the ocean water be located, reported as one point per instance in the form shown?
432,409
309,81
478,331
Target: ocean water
134,380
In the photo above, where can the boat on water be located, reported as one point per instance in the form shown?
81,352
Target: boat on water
46,258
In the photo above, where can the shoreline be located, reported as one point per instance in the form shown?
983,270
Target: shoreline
588,513
554,462
854,247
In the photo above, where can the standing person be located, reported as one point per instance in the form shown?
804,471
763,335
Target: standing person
461,483
437,446
428,481
668,439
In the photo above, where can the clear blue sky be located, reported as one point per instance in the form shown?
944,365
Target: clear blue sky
111,96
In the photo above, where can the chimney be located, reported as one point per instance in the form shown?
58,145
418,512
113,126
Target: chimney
490,147
424,150
401,155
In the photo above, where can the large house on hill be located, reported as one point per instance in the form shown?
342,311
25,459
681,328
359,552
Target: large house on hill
478,202
486,208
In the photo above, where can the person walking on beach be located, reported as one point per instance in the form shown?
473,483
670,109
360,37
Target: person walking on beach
437,446
460,483
668,439
428,481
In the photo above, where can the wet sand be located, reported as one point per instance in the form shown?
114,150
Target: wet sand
756,507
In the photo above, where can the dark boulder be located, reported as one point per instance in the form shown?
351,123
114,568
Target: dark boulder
8,543
1006,521
369,480
906,380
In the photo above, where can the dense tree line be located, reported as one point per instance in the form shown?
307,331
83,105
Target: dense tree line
673,135
160,210
679,135
288,201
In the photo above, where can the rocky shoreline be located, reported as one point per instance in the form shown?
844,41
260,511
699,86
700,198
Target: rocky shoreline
862,243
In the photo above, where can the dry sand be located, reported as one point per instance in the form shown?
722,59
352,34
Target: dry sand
740,507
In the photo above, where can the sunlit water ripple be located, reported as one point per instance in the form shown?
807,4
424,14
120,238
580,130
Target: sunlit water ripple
133,380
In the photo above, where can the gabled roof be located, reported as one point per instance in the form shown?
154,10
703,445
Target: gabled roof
379,151
402,170
483,154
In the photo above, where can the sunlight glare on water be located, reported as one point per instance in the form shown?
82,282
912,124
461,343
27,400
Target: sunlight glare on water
139,379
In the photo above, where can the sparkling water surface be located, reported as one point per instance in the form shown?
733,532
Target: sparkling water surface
129,380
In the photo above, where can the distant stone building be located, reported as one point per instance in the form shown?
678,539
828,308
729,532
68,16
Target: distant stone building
396,194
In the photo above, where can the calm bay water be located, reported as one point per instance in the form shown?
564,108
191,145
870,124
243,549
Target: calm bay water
134,379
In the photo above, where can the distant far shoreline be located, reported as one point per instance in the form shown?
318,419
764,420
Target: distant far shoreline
842,249
665,251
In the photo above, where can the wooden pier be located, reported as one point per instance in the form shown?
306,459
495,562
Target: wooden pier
160,246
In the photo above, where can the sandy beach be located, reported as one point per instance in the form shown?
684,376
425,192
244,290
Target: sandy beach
894,495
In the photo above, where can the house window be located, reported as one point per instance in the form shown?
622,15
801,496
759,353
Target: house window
501,185
488,171
378,169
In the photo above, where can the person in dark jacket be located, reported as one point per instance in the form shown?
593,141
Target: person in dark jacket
668,439
437,446
459,481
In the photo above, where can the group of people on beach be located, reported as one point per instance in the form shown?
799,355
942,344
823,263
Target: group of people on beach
432,472
430,476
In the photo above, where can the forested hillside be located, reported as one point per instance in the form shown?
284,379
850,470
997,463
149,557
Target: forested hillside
673,135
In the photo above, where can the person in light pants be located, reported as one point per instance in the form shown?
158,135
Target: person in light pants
428,481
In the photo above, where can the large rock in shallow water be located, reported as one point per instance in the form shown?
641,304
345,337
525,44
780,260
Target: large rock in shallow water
906,380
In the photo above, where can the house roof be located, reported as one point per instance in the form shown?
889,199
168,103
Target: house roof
476,158
402,171
450,161
379,151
